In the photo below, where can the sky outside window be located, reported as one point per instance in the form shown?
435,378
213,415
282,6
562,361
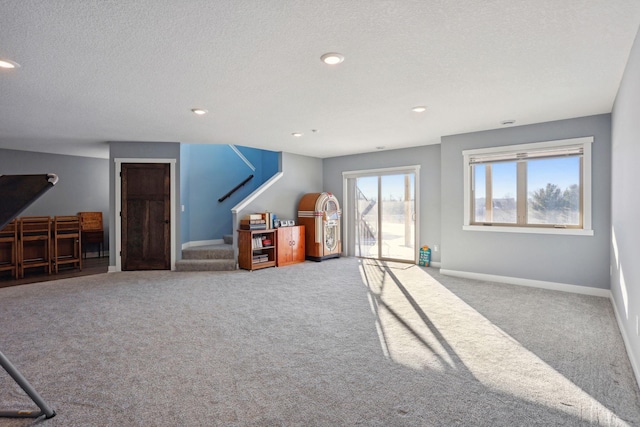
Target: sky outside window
563,172
393,186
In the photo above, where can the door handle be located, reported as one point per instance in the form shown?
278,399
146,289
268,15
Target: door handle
166,221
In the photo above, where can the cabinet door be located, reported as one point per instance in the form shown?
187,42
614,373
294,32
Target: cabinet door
297,247
284,246
291,248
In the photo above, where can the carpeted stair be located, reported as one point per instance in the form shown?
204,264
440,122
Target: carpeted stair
207,258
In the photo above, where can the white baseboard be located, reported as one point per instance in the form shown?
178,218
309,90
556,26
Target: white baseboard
554,286
627,342
197,243
112,269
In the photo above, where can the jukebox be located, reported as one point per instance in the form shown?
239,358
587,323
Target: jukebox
320,214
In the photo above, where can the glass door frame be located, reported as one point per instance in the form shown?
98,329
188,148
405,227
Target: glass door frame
348,208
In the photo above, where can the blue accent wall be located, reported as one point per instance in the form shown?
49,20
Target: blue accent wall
208,172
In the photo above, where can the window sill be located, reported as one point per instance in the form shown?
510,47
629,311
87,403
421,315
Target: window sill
529,230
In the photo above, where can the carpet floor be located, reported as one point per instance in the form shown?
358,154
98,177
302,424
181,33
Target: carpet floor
344,342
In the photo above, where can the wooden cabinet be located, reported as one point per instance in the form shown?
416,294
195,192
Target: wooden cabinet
256,249
290,245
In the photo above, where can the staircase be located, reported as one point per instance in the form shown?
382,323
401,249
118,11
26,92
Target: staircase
208,258
366,232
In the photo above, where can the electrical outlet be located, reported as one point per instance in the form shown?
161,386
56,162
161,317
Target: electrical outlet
182,206
436,248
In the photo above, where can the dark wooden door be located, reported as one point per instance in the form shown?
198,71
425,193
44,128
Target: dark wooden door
146,216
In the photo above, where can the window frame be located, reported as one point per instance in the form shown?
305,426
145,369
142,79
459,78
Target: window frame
537,147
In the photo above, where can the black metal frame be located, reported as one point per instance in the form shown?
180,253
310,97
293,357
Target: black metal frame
45,409
17,192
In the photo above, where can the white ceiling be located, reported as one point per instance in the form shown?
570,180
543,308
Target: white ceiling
131,70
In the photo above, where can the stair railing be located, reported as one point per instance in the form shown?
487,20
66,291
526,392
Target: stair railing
365,230
234,189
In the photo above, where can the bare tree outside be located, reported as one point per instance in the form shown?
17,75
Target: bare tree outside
552,205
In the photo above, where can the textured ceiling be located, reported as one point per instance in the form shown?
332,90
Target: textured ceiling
131,70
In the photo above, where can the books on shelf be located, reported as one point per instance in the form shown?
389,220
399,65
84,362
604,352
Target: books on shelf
254,227
260,258
252,221
261,241
257,221
268,219
253,224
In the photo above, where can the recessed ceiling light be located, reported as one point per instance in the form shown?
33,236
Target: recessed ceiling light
5,63
296,134
507,122
332,58
419,109
199,111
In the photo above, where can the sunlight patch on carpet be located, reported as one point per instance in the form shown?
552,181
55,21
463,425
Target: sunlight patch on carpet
425,326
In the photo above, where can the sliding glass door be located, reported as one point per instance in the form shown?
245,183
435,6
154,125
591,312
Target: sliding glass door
383,216
366,217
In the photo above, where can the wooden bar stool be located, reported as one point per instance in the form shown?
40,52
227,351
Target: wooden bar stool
66,242
9,248
34,247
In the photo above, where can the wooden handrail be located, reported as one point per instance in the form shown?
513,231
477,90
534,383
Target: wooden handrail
234,189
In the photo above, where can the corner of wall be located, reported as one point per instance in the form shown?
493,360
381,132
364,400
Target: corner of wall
623,246
633,358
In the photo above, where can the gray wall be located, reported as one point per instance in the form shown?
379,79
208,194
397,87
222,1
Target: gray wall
301,175
574,260
625,280
83,184
428,157
142,150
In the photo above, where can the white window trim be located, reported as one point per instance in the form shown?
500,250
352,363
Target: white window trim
586,229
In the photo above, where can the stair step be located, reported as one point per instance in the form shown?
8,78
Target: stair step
210,252
206,265
228,239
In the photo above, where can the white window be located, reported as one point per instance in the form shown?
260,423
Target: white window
543,187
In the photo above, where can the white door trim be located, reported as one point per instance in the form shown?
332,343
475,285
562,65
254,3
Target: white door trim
347,210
